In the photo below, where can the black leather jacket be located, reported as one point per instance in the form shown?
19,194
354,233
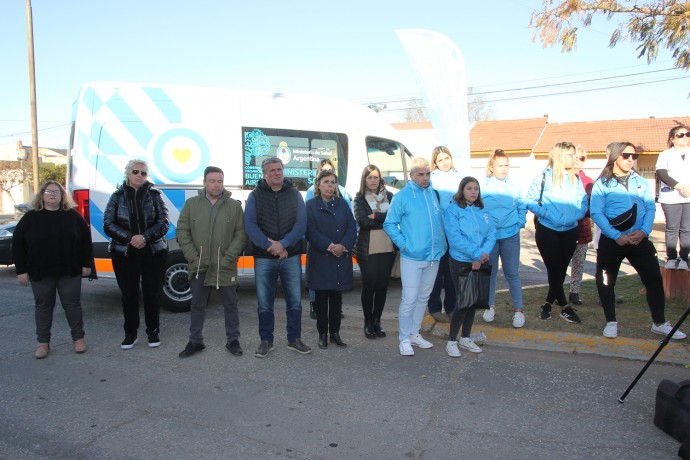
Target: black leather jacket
145,210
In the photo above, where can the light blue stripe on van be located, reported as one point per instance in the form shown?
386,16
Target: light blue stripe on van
130,120
166,106
92,101
96,217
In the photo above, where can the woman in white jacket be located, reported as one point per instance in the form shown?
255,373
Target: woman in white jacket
673,170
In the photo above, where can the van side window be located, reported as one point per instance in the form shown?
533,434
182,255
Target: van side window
300,151
392,158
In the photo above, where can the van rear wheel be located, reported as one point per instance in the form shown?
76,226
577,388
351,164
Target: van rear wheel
176,296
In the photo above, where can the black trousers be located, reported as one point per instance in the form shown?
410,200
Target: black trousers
328,306
644,260
556,249
129,271
376,274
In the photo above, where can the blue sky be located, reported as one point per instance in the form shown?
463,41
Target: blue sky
338,49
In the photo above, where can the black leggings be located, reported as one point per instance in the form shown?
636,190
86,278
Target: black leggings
556,249
376,273
464,316
644,260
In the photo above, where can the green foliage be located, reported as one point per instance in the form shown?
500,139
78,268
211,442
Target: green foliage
50,171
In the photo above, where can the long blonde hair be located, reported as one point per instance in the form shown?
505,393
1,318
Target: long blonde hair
66,201
556,162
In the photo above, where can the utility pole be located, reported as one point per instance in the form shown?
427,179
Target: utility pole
32,89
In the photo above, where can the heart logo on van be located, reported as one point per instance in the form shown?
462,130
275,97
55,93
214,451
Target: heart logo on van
182,155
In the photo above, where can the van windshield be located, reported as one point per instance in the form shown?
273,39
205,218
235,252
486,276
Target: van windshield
392,159
300,151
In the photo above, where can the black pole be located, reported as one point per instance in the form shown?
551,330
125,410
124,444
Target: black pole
656,353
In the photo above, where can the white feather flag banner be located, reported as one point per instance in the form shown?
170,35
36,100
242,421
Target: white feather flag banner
440,72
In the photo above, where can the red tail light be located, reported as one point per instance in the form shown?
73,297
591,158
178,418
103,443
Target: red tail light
81,197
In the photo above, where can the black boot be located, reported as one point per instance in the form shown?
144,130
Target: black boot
574,298
323,341
378,329
369,332
335,338
312,313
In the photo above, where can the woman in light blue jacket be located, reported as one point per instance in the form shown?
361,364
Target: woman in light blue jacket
504,202
623,208
471,235
558,199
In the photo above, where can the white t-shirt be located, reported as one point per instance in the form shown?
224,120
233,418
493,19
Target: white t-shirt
679,169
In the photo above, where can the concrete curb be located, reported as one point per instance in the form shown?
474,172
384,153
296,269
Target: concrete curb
568,342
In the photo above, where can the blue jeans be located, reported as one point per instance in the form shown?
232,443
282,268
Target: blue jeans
509,250
418,279
266,273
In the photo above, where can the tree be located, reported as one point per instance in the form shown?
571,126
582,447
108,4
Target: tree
415,111
51,171
652,24
478,107
10,176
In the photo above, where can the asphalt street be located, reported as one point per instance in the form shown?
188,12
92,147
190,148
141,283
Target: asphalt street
364,401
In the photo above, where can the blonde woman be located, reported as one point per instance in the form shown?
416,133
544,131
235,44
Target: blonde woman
445,179
52,249
504,202
558,200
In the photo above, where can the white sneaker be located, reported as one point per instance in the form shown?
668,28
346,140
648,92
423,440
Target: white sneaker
468,344
489,314
452,349
406,348
671,264
518,319
611,330
665,328
419,341
682,265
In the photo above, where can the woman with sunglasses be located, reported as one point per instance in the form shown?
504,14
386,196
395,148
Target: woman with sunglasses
504,202
558,200
673,170
584,228
52,249
136,220
623,207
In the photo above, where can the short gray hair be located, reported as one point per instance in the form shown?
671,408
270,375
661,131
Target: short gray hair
269,161
132,162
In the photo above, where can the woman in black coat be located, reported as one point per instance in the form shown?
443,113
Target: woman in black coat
136,220
374,250
52,248
331,236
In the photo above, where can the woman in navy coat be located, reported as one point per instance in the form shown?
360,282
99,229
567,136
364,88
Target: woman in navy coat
331,234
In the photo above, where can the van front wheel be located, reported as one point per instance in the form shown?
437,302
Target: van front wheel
176,296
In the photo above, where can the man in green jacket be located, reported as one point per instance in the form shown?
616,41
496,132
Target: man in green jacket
210,232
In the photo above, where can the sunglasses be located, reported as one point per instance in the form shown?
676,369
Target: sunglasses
682,135
138,171
634,156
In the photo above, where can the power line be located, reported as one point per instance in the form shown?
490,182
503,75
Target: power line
29,132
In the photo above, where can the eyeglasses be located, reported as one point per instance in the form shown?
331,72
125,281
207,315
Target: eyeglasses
582,158
138,171
634,156
52,192
681,135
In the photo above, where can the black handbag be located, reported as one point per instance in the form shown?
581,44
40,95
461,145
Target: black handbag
473,287
626,220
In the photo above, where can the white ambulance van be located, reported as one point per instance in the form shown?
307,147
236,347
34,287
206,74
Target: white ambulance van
181,130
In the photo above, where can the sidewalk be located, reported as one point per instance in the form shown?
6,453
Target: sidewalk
533,273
